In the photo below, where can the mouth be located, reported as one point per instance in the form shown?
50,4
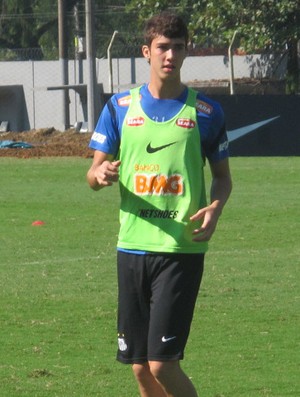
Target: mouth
169,68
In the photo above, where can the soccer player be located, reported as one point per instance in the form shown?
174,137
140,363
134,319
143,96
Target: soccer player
153,140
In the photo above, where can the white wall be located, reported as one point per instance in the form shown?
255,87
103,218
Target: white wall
45,108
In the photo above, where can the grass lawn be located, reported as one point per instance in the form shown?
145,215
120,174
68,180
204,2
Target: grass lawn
58,285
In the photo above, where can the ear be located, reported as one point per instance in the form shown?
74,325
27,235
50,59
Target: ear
146,52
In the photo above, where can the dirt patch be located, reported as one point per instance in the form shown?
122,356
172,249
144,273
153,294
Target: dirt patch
48,142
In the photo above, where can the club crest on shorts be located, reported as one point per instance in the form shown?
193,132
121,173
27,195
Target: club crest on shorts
121,342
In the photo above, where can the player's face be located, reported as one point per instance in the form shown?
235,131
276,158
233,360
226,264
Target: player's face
166,56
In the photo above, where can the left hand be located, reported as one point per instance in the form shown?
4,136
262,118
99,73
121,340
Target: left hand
210,216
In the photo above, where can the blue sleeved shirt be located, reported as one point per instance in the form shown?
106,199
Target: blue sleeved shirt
210,117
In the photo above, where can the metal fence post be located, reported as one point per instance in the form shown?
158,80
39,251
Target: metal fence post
231,67
90,53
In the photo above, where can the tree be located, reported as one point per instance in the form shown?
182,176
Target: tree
262,25
17,20
29,24
111,16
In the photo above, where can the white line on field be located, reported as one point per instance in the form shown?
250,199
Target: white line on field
56,261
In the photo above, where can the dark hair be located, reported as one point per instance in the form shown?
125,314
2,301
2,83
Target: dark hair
165,24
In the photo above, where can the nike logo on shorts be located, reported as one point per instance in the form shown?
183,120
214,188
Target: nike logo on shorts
164,339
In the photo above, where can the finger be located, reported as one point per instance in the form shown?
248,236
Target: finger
116,163
112,170
199,230
103,180
202,235
103,177
111,177
199,215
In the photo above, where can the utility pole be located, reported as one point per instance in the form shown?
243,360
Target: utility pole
63,59
79,43
90,54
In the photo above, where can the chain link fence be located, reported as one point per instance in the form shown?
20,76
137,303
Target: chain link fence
41,82
36,73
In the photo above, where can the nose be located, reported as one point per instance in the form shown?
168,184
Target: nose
170,53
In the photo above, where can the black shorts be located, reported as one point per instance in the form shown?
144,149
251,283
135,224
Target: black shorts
157,296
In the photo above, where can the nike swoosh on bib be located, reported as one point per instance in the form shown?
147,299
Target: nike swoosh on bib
239,132
151,149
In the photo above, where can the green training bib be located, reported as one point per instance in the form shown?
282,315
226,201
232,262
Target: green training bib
161,180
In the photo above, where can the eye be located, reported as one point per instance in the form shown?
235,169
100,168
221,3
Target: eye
179,47
163,47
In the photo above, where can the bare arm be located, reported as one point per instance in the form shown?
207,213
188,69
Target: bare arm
221,187
103,171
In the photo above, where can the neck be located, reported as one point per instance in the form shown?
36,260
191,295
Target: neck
166,90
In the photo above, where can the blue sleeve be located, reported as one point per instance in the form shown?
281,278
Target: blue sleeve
107,135
213,134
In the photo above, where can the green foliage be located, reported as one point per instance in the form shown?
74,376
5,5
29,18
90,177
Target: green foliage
146,8
26,24
262,25
111,16
58,287
18,18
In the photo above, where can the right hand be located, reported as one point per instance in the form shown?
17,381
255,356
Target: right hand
107,173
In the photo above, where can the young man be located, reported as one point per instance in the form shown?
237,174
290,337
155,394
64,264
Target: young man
153,141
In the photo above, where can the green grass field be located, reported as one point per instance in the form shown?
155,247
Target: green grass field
58,285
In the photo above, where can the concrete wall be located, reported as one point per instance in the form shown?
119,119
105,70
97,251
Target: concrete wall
44,108
194,68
